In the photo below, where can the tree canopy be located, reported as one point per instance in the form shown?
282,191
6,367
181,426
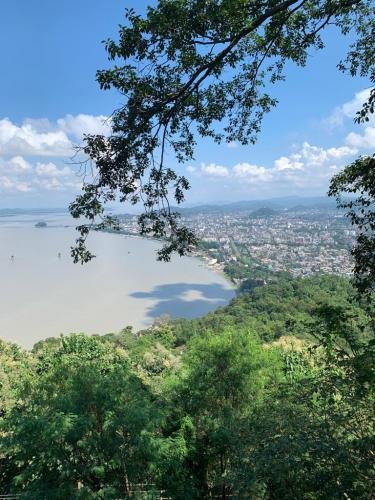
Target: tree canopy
228,409
192,68
354,190
357,181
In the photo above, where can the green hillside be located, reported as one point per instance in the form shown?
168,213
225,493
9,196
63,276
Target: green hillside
268,397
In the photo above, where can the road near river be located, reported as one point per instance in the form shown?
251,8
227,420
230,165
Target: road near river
43,294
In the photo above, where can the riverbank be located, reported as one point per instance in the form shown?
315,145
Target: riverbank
204,257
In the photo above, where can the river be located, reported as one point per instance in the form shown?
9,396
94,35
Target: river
43,294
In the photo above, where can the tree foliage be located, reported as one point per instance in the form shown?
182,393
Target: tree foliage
278,309
358,181
354,190
78,432
194,68
222,382
214,411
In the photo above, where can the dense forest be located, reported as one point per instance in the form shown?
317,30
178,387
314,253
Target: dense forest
270,397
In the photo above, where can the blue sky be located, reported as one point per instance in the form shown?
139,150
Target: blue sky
50,52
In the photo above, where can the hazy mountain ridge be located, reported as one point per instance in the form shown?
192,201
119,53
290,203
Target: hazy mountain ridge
7,212
292,203
289,203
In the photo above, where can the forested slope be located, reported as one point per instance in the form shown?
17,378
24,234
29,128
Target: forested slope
231,405
283,308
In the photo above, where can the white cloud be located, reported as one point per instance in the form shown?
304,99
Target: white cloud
40,125
15,165
49,184
310,166
213,170
19,175
348,109
307,170
251,173
313,155
57,184
51,170
26,140
40,137
85,124
50,177
8,184
19,164
285,163
341,152
362,141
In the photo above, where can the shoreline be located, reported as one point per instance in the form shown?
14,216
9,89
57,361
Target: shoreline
44,295
200,255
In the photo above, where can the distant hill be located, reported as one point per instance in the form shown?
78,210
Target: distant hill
264,212
290,203
7,212
297,208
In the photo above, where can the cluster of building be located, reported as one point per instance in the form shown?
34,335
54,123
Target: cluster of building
301,242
